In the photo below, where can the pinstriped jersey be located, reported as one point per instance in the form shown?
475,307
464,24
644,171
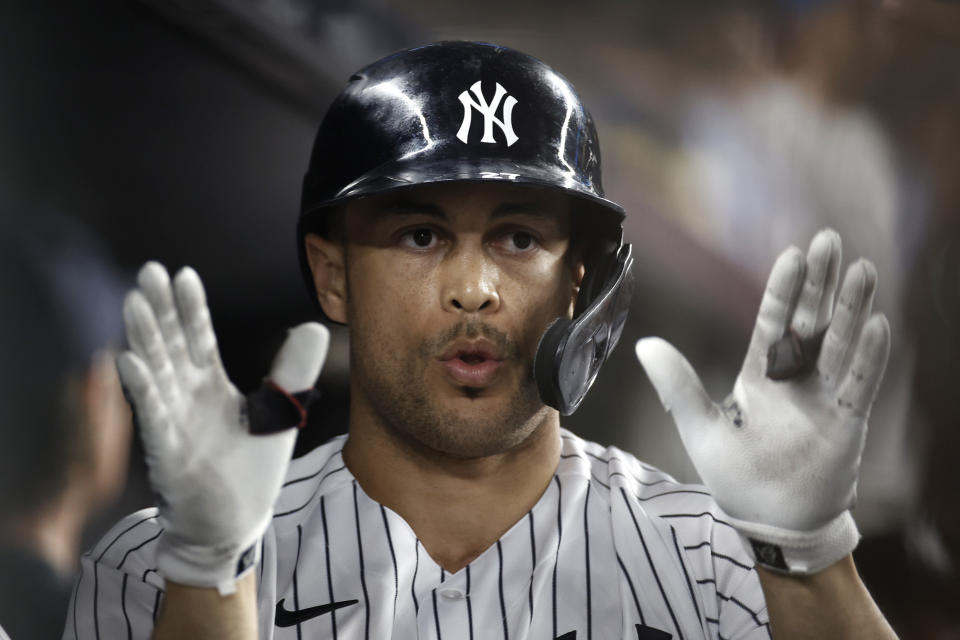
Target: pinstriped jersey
613,549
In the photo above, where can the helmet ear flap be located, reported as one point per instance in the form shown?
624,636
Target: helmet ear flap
571,352
549,352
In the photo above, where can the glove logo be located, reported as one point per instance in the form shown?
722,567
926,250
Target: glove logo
768,554
247,559
488,111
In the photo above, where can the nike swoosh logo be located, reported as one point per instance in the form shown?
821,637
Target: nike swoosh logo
649,633
286,618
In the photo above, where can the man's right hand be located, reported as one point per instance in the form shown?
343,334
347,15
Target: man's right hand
216,482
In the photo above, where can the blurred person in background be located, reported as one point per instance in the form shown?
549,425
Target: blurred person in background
66,433
915,572
844,114
783,144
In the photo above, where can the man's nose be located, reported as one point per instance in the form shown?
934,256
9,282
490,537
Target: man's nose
470,282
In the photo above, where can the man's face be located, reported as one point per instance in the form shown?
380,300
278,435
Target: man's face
448,290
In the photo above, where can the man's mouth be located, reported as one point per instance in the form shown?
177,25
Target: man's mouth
472,364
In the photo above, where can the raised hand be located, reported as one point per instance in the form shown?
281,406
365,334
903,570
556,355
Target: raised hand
216,482
781,457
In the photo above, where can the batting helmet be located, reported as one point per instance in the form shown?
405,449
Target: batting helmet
474,112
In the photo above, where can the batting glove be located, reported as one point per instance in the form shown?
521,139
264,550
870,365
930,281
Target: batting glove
781,457
216,482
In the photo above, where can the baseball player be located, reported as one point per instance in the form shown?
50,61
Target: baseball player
66,427
453,217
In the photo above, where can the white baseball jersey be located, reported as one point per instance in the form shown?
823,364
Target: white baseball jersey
613,549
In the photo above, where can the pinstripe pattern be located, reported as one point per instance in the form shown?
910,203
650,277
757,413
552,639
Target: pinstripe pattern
296,590
611,544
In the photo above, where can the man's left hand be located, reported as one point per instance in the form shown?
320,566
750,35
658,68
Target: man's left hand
781,457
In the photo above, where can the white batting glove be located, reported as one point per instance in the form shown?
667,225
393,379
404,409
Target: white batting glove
781,457
217,483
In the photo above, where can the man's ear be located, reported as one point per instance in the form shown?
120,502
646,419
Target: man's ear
326,260
577,271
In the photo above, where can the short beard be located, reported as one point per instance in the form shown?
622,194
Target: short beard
397,396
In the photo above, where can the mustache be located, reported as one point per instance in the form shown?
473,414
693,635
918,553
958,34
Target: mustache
434,346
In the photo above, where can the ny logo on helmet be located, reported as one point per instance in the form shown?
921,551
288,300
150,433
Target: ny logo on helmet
488,111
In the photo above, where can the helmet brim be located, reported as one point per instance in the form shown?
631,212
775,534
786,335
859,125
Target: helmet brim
409,173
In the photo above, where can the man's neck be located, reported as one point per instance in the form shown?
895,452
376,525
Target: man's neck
457,507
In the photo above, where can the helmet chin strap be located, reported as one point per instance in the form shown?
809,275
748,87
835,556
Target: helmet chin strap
571,352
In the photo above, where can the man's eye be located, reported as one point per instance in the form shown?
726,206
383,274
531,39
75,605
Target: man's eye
521,239
517,241
421,238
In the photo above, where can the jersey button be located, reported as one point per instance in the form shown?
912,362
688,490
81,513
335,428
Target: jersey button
451,594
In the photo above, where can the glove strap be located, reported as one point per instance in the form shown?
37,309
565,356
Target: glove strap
272,408
798,552
205,566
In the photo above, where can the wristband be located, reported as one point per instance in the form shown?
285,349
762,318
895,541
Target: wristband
798,552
